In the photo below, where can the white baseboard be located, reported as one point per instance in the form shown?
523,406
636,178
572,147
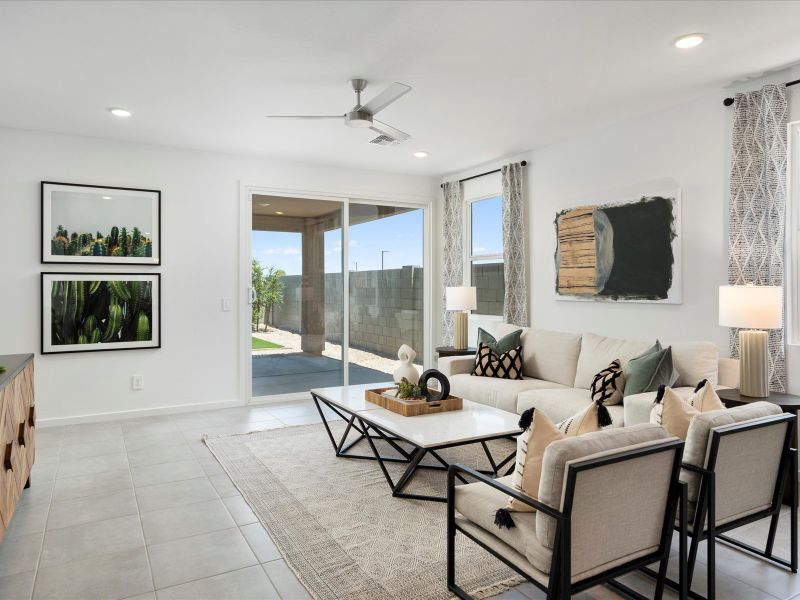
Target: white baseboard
136,414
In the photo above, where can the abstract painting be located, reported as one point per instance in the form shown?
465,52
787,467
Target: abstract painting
85,312
628,251
100,225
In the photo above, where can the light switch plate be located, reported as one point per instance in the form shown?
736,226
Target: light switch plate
227,304
137,383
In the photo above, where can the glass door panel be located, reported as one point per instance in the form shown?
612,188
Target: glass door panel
298,310
386,288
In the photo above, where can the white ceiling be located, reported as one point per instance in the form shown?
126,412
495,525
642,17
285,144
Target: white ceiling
490,79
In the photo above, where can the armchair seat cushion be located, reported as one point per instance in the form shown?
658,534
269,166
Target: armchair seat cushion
478,503
500,393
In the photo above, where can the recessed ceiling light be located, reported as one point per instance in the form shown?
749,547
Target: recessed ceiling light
263,203
122,113
689,41
106,197
420,154
278,212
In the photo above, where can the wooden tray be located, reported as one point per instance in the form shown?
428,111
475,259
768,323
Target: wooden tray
412,407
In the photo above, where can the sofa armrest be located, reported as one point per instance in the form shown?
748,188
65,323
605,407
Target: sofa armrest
455,365
729,372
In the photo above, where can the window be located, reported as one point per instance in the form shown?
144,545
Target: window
485,254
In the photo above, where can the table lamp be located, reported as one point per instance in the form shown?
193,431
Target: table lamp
752,308
460,300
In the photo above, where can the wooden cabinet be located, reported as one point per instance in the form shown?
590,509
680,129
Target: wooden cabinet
17,432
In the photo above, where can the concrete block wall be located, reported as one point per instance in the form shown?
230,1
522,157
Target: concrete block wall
386,307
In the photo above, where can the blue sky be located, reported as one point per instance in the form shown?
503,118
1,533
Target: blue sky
487,228
401,235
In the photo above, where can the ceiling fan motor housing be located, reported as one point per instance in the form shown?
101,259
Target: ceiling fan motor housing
358,118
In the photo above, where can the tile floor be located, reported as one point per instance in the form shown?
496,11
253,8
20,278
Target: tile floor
140,509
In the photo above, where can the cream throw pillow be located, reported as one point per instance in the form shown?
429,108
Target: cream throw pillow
539,432
675,414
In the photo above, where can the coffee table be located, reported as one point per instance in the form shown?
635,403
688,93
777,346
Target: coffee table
413,437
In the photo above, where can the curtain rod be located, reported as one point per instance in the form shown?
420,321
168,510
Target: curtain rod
524,163
729,101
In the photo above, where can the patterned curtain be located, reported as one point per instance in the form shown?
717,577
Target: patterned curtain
515,264
453,263
758,204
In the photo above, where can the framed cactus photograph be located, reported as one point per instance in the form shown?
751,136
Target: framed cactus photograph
90,312
91,224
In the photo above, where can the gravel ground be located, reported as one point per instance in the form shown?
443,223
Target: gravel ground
291,343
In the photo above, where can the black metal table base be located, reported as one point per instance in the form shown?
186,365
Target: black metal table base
411,457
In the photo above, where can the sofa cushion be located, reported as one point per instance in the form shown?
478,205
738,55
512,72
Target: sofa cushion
561,452
500,393
489,363
548,355
561,403
558,404
596,352
695,361
608,384
647,372
503,344
478,502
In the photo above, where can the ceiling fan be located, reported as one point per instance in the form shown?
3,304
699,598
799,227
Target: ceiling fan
364,115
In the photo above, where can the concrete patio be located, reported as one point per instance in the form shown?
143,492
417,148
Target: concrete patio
290,373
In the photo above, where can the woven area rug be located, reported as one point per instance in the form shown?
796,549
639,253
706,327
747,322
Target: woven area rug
338,526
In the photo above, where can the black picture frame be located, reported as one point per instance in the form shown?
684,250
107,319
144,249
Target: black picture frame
46,235
46,310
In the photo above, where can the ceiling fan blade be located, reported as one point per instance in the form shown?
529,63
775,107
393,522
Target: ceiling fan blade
389,130
303,116
386,97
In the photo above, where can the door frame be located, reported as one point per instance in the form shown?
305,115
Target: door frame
246,193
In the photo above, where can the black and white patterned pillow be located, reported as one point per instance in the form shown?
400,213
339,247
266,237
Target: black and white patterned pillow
608,385
489,363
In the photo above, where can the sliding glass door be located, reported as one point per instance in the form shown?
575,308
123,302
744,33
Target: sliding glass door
331,305
387,288
297,283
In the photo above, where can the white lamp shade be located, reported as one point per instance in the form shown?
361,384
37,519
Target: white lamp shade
461,298
751,306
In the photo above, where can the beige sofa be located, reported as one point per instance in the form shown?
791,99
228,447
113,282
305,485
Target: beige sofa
558,368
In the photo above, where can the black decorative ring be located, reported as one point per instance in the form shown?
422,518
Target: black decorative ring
444,385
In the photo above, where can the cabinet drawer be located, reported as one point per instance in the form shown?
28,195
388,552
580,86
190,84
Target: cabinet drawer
9,489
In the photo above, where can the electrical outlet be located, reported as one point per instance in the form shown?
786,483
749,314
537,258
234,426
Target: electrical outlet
137,383
227,304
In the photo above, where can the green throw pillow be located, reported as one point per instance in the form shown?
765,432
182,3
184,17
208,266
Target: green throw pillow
649,370
504,344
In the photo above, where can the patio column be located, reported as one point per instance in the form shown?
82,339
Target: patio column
312,312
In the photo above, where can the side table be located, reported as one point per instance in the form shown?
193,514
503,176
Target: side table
787,402
450,351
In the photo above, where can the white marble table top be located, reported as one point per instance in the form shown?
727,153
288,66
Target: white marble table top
472,423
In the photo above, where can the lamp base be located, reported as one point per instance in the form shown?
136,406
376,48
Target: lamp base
460,319
753,363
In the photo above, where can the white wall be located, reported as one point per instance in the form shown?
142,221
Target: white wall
688,147
681,147
198,362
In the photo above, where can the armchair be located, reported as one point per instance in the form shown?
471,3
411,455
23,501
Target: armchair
576,546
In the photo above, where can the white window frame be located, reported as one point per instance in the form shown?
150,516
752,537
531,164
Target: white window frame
792,245
475,191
